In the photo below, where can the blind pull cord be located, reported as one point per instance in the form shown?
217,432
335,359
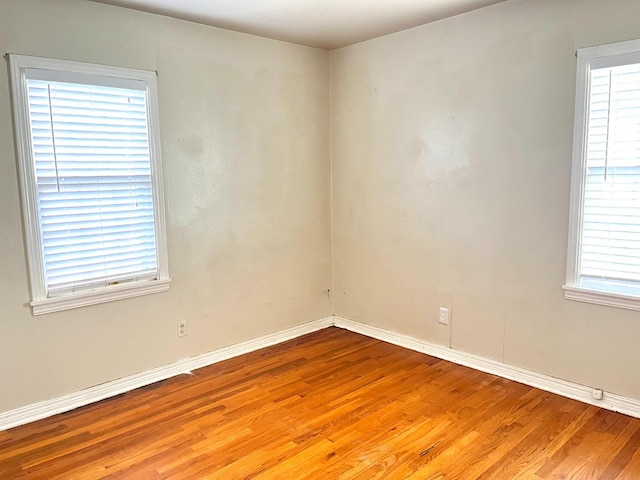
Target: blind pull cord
609,121
53,138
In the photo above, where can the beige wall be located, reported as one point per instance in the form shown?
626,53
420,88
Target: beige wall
451,156
245,141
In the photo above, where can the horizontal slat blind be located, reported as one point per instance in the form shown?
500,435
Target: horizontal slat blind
93,173
610,253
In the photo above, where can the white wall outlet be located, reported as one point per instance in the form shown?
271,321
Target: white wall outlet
182,328
443,318
597,393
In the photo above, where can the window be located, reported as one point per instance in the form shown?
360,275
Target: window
91,182
603,262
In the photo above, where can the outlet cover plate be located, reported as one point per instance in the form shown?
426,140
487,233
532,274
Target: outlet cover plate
443,317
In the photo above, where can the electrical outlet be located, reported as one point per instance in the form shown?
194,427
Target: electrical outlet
597,393
182,328
443,318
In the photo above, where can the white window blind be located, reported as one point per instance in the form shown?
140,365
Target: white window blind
610,254
91,154
87,137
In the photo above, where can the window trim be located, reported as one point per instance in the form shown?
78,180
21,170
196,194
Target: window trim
600,56
40,303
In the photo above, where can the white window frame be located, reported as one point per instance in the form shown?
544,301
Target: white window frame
592,57
41,303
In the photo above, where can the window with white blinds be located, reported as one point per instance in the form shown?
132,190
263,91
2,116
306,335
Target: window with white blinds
604,250
90,168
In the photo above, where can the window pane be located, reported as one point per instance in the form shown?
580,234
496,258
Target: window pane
611,219
93,173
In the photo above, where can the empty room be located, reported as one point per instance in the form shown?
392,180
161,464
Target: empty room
320,239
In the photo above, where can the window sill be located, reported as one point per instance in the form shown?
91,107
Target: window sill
103,295
609,299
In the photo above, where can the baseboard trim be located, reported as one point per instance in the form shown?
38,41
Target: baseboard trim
610,401
47,408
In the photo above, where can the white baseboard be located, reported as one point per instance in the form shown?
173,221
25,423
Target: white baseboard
38,411
47,408
610,401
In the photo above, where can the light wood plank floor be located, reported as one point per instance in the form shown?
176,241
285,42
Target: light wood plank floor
329,405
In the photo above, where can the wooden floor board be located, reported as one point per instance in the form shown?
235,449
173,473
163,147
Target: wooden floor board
329,405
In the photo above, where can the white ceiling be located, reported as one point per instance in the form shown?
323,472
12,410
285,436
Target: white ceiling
325,24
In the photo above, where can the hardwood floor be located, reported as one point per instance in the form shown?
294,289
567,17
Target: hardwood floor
329,405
